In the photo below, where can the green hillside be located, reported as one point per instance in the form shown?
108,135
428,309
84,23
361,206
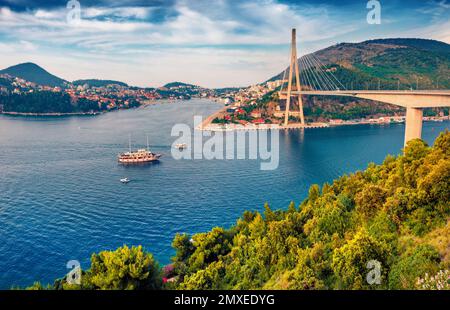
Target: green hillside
179,84
397,213
33,73
385,63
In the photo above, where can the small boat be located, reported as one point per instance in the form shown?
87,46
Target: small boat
125,180
181,146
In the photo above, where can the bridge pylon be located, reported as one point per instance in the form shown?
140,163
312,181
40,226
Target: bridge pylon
294,68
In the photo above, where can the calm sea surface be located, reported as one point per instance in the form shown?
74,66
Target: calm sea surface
61,199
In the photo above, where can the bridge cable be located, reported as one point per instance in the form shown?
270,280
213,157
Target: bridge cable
331,84
331,73
283,79
327,84
313,76
324,71
305,74
312,70
285,75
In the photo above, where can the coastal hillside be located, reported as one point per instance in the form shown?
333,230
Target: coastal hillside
98,83
183,89
388,61
179,85
395,216
33,73
28,89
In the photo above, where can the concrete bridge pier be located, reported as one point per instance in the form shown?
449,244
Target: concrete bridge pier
413,122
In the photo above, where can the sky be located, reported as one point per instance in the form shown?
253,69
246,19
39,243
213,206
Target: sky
212,43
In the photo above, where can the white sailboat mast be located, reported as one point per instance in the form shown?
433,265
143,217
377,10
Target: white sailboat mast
129,142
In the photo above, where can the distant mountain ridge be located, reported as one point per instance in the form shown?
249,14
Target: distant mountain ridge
99,83
180,84
34,73
424,44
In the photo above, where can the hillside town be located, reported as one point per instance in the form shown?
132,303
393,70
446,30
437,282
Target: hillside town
259,107
108,96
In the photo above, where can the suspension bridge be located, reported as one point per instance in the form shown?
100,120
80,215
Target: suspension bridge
308,75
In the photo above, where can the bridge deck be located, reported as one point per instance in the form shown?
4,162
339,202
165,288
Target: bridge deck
405,98
379,92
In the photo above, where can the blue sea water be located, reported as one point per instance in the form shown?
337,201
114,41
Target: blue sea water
61,199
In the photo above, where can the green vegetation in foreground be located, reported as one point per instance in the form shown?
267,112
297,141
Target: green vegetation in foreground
123,269
397,213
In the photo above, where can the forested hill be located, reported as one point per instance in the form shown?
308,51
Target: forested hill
98,83
388,62
423,44
33,73
396,214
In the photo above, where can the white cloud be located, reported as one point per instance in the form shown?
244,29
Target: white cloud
209,42
122,12
27,46
19,46
42,14
265,23
436,8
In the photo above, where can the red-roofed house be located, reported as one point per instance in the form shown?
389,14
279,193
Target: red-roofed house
258,121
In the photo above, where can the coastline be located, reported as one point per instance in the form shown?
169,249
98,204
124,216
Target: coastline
208,121
50,114
207,124
57,114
